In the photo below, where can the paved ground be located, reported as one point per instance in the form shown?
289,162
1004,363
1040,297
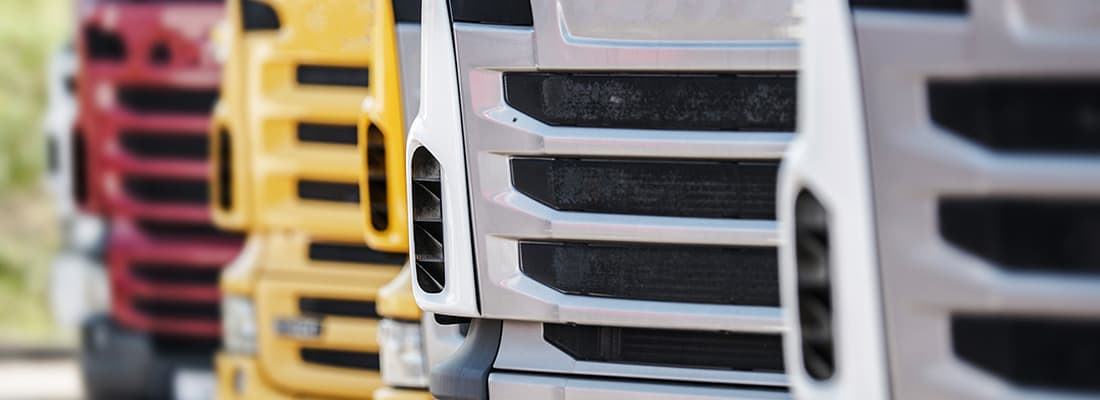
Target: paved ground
39,379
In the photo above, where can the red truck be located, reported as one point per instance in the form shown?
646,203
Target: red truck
146,88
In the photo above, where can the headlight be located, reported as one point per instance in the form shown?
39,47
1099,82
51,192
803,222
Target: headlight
239,325
87,233
401,353
79,288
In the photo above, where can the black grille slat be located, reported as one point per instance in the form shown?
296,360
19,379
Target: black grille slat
328,133
1026,235
341,358
348,253
494,12
328,191
167,191
163,273
225,170
1021,116
333,75
935,6
1040,352
379,192
79,168
701,189
175,309
406,11
728,102
167,145
689,274
168,100
161,230
337,307
669,348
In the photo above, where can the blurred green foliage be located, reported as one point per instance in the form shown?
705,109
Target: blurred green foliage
30,32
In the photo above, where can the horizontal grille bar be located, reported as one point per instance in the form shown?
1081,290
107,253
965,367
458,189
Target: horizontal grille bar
328,133
341,358
939,6
328,191
689,274
161,230
175,309
669,348
728,102
350,253
163,273
336,307
1026,235
181,145
333,76
702,189
167,100
1021,116
1050,353
168,191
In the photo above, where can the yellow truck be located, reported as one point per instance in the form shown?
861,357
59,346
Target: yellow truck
318,304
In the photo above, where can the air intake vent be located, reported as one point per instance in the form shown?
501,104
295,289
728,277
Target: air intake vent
167,145
669,348
159,230
328,191
348,253
406,11
174,309
328,133
815,299
689,274
376,167
102,45
1047,353
161,273
167,191
495,12
936,6
333,76
225,170
1021,116
340,308
80,162
341,358
258,16
167,100
1026,235
427,214
702,189
729,102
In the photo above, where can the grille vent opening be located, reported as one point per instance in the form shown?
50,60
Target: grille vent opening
1060,354
167,100
341,358
815,310
427,214
337,307
168,145
493,12
53,157
406,11
1026,234
258,16
759,102
379,191
349,253
225,170
328,133
700,189
80,163
333,76
669,348
166,273
167,191
1021,116
103,45
175,309
676,273
186,346
328,191
166,231
934,6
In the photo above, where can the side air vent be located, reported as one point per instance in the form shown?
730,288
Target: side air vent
376,167
333,76
336,307
328,133
102,45
341,358
175,309
676,273
669,348
427,215
350,253
1026,235
701,189
167,191
815,299
1021,116
80,162
225,170
166,145
161,230
1060,354
936,6
494,12
760,102
162,273
328,191
167,100
258,16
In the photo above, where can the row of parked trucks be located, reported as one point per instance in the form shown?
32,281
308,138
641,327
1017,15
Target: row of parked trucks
573,199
